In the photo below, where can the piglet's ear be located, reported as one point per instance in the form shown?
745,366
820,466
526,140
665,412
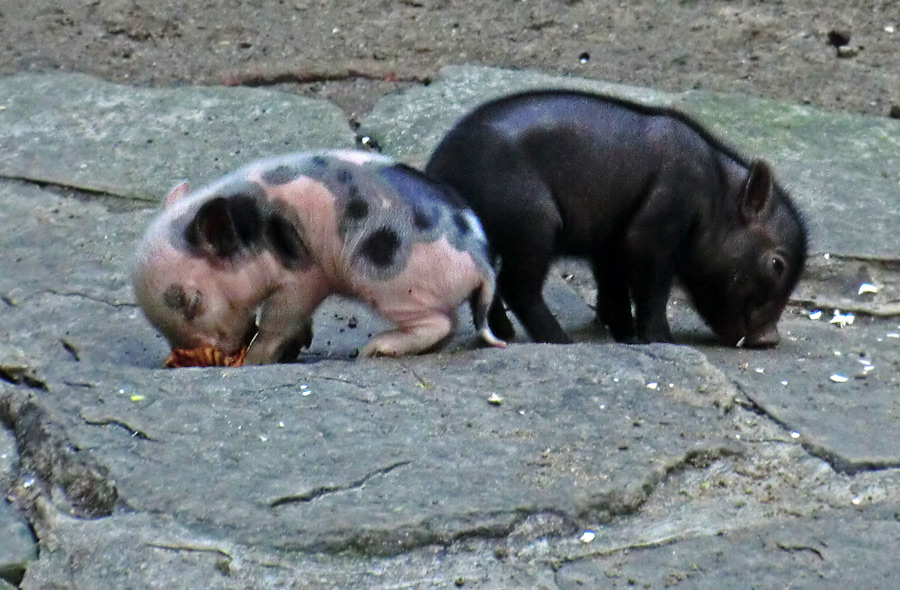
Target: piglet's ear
757,192
224,226
177,193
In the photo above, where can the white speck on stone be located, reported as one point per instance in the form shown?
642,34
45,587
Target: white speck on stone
868,288
815,315
893,335
760,370
795,434
842,319
652,385
587,536
784,382
495,400
856,500
306,392
889,29
281,424
263,438
838,378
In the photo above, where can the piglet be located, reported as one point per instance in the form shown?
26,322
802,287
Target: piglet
646,194
241,265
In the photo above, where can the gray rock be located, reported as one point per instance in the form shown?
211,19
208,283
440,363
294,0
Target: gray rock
385,456
18,548
767,555
78,131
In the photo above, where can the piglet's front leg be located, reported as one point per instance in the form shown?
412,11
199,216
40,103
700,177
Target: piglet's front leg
279,340
285,326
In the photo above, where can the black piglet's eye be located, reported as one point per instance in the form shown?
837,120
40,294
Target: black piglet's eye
778,266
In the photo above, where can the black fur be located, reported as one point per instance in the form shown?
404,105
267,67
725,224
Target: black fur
645,193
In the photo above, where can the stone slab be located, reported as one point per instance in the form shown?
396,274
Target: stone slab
383,456
834,551
835,388
840,167
78,131
17,545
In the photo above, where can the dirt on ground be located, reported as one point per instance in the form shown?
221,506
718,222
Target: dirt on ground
829,53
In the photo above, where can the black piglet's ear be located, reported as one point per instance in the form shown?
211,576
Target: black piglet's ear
224,226
757,192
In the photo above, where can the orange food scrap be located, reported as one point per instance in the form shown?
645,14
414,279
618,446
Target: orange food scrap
205,356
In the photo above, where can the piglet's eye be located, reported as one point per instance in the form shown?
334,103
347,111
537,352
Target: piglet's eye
777,265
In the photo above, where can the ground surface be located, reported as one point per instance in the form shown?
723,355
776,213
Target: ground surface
694,465
353,51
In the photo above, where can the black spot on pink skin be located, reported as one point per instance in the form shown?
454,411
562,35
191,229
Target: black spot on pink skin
357,209
286,243
462,224
380,247
425,218
280,175
246,218
344,176
225,225
174,297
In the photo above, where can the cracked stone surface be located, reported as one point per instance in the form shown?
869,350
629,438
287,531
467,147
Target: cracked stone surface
693,465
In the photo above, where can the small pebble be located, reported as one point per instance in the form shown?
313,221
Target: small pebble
838,37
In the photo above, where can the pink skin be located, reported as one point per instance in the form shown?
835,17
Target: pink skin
422,300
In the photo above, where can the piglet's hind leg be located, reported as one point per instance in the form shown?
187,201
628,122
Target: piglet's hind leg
422,335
